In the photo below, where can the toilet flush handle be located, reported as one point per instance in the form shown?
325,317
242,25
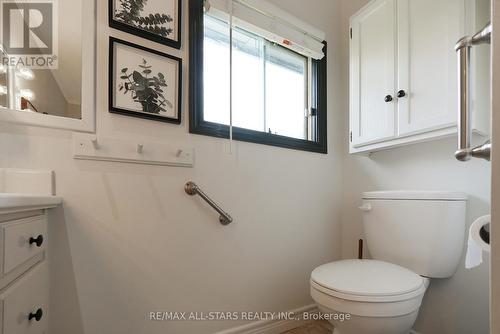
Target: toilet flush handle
366,207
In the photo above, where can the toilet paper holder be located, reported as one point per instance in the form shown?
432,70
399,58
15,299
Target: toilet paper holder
484,233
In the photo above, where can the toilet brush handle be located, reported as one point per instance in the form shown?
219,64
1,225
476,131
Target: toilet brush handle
360,249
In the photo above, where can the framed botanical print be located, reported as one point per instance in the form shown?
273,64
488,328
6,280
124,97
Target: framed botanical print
156,20
144,83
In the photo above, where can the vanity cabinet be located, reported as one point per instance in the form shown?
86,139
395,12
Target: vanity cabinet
24,275
25,198
403,71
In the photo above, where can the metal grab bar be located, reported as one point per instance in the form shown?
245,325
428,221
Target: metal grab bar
463,48
192,189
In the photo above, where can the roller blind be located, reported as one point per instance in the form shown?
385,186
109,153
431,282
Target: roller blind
272,23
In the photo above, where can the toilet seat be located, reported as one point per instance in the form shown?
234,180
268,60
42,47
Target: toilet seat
369,299
367,288
368,281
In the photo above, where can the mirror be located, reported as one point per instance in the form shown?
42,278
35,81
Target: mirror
3,84
47,78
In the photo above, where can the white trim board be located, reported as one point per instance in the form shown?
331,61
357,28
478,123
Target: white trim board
276,326
272,326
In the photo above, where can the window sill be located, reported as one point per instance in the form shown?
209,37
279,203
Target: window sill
251,136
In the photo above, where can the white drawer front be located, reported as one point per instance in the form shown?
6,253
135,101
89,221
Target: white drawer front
24,298
23,240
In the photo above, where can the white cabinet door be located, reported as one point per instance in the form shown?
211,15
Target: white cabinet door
427,66
373,76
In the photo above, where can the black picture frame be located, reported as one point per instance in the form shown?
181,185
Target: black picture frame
175,43
197,124
111,84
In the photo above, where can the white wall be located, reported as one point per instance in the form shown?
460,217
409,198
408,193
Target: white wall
129,240
458,305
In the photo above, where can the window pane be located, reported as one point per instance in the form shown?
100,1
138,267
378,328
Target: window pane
269,82
216,71
248,93
248,81
286,93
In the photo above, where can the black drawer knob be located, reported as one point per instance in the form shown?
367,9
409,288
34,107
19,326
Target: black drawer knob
401,93
37,315
388,99
38,240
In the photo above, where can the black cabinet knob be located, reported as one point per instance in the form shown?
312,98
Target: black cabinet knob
38,240
37,315
401,93
388,99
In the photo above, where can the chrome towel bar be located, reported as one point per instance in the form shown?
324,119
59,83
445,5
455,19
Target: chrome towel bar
192,189
463,48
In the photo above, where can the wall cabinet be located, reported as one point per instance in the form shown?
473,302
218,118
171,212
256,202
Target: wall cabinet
403,71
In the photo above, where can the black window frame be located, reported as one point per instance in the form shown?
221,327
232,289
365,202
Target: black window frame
197,125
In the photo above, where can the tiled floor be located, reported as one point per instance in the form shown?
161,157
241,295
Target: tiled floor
317,327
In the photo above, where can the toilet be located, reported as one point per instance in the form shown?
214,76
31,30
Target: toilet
412,237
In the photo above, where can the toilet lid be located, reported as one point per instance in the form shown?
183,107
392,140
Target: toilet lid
367,278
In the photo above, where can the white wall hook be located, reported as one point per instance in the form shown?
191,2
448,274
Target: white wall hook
99,148
366,207
95,143
178,154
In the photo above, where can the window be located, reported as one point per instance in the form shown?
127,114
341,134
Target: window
271,83
278,94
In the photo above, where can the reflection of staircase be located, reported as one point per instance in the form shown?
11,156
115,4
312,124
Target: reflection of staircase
26,104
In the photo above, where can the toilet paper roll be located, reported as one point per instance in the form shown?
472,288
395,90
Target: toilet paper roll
475,245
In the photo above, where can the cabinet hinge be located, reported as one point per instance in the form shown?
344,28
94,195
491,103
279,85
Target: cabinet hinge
350,136
350,32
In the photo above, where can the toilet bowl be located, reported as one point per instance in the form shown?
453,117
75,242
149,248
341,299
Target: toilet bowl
386,303
412,236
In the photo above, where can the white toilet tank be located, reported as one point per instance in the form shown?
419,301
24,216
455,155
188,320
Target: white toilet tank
421,231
